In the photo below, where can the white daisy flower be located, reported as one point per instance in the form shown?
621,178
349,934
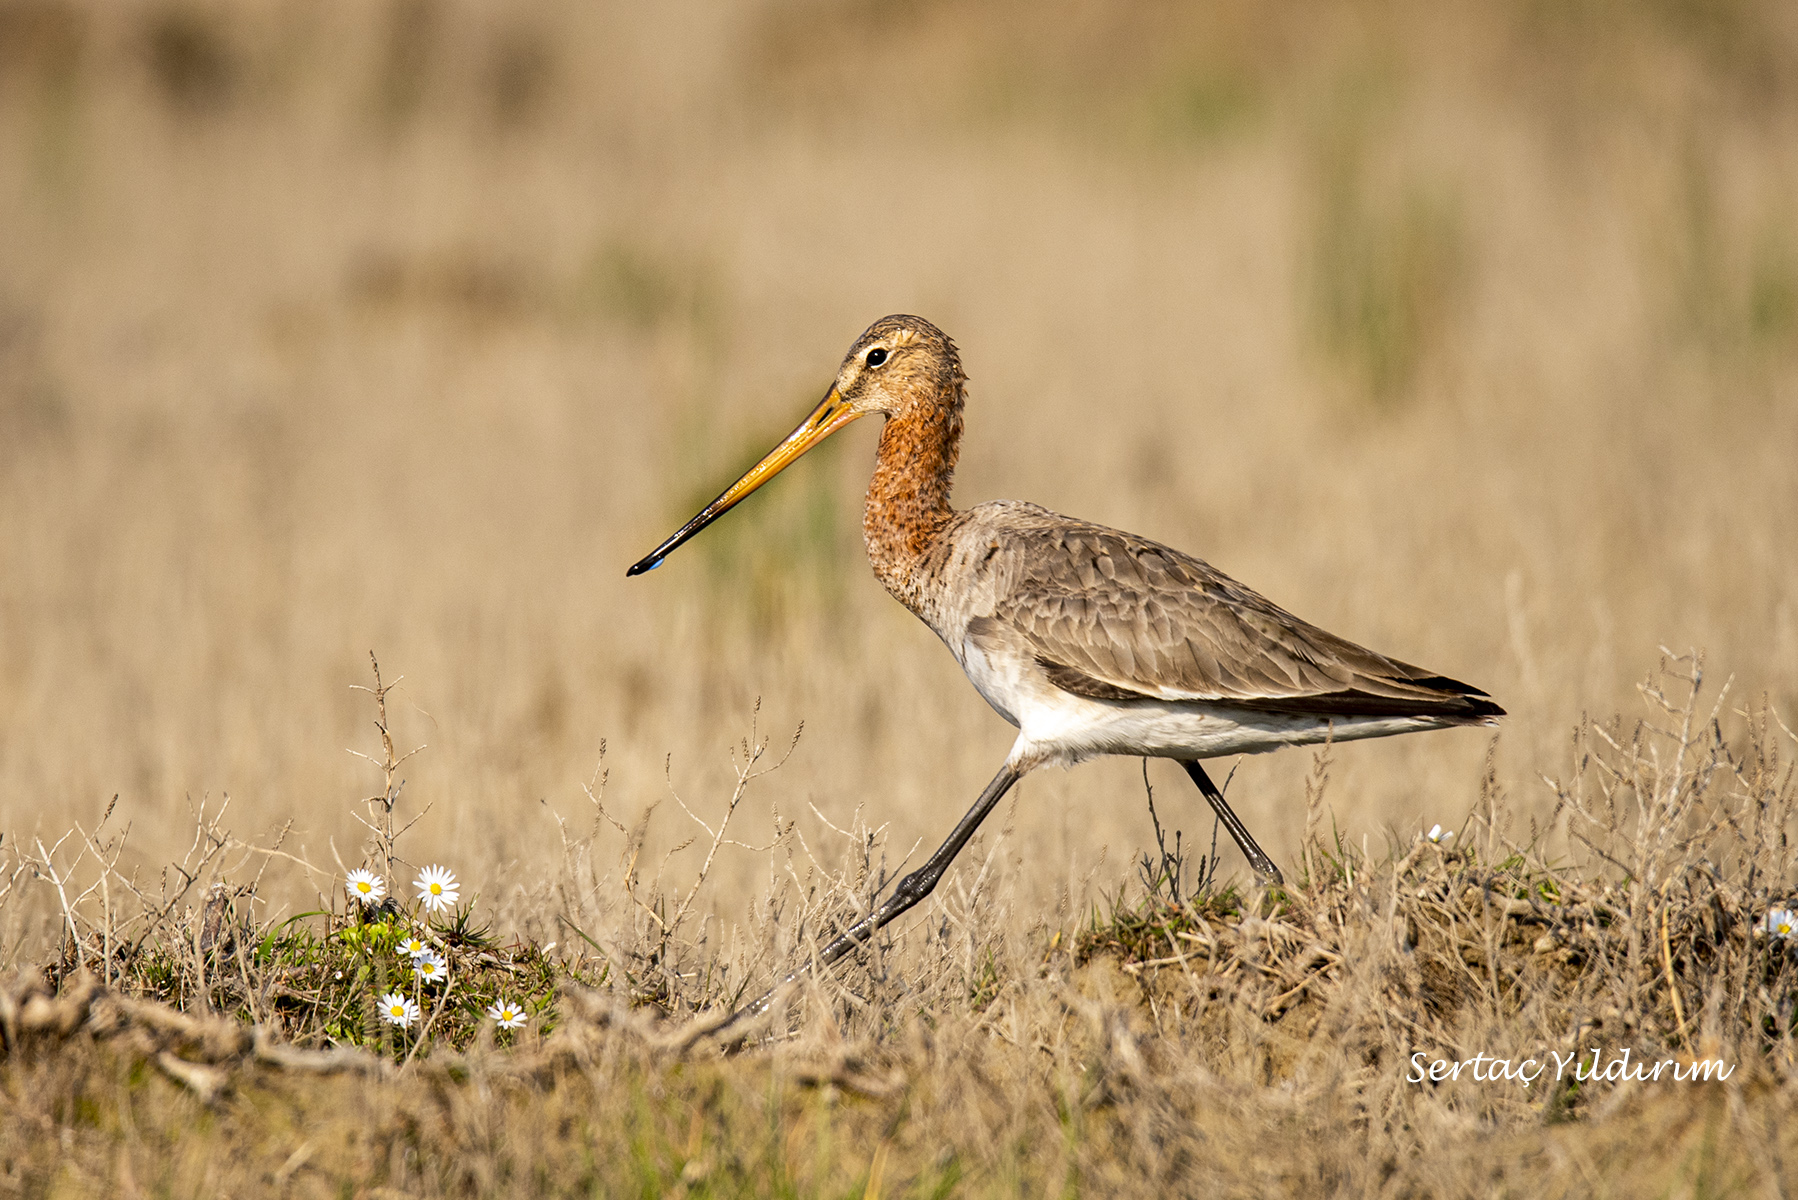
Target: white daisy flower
398,1010
1436,834
365,887
437,888
507,1014
1780,922
430,967
412,947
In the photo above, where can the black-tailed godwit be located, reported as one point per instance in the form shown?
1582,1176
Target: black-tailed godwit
1089,640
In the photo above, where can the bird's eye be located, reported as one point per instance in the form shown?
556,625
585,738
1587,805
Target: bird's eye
877,356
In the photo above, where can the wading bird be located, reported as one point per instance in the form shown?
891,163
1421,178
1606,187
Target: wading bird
1089,640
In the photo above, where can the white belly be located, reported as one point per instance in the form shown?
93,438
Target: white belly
1055,726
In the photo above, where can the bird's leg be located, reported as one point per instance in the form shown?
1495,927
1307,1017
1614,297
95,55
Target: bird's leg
1258,859
921,882
910,890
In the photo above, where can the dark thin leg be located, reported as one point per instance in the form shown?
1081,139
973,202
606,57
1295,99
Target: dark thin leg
1258,859
911,889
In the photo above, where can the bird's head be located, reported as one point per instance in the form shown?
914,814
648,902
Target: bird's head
899,364
898,367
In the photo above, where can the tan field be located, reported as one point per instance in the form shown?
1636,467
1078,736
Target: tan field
1468,332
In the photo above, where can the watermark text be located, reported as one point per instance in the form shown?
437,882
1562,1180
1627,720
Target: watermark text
1592,1066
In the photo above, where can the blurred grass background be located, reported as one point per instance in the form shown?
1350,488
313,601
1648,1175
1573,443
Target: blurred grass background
1468,331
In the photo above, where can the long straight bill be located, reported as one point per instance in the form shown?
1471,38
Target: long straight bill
832,413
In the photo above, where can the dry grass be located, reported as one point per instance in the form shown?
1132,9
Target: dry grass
1179,1042
1468,331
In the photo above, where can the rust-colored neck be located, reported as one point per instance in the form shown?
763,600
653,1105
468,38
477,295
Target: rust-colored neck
908,498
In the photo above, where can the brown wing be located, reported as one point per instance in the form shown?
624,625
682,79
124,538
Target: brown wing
1115,616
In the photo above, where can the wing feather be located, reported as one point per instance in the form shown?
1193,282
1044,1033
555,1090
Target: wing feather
1112,615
